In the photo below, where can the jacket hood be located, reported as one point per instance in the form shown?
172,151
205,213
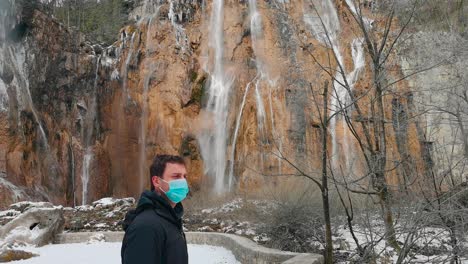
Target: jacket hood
150,199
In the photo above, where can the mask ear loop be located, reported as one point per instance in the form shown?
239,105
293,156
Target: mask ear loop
166,183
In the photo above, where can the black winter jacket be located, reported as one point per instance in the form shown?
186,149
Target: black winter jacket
153,232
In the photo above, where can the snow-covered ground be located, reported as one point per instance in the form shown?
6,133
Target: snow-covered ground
83,253
429,244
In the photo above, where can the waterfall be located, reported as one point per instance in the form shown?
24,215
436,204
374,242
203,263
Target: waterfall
14,55
3,88
262,75
180,35
17,59
255,26
262,71
122,128
72,169
256,34
325,27
124,70
3,97
89,122
368,22
338,102
143,127
213,143
323,21
261,115
144,116
236,131
87,157
357,53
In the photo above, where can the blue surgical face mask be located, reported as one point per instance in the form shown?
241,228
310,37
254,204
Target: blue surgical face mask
178,190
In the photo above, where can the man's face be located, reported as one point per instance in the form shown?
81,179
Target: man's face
172,172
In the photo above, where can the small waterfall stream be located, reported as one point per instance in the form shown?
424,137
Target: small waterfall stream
89,122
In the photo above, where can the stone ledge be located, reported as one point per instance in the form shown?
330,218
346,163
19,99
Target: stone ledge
244,250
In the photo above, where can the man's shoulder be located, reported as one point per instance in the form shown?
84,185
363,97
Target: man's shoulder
148,220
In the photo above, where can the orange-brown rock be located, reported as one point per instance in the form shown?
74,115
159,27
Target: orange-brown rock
152,91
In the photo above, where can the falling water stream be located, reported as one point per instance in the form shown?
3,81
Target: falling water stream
89,122
236,131
325,26
144,116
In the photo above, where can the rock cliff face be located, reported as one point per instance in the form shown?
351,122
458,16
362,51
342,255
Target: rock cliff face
48,73
440,91
226,84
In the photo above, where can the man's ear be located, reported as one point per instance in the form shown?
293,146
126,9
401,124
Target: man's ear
155,181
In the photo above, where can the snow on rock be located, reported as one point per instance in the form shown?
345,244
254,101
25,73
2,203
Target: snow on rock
9,213
104,214
37,226
205,229
84,208
110,253
112,202
261,238
265,206
101,226
225,208
97,238
25,205
250,232
110,214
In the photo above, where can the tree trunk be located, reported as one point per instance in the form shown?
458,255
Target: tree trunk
326,205
387,212
381,160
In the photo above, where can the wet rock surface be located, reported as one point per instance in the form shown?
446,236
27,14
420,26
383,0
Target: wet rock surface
84,120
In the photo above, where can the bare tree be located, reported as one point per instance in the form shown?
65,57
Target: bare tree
321,103
369,128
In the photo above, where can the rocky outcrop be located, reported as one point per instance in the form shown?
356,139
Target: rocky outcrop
50,75
439,100
15,254
36,226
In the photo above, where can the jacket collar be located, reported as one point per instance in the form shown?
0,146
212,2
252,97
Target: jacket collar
162,207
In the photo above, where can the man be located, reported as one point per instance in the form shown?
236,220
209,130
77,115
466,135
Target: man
153,231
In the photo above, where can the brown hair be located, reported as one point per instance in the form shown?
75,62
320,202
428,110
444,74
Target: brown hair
159,165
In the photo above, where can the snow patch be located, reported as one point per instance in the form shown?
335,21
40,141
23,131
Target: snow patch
84,208
261,238
96,238
225,208
9,213
23,232
110,253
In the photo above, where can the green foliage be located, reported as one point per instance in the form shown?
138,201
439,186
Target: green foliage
99,20
189,148
198,92
198,89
